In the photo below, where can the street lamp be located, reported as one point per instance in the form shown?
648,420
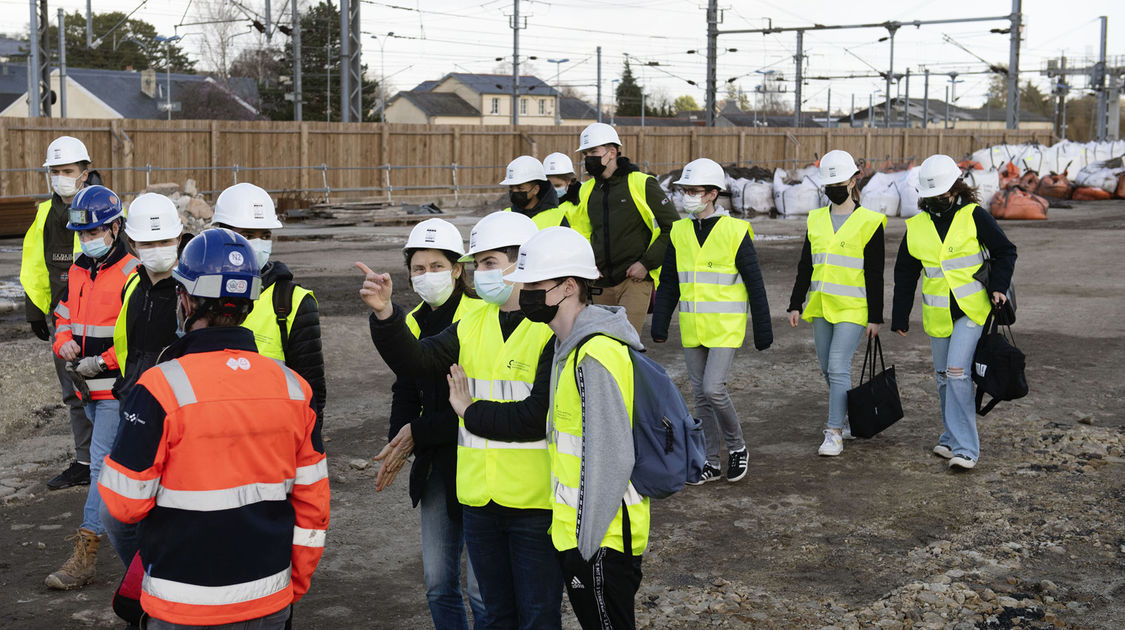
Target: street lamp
382,73
167,41
613,112
558,64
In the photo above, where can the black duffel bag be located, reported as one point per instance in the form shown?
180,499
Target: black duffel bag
874,405
998,365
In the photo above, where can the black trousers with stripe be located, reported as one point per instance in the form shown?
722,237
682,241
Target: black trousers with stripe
602,589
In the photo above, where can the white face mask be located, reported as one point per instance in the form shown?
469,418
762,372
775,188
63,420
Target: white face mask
64,186
158,259
694,204
433,287
262,248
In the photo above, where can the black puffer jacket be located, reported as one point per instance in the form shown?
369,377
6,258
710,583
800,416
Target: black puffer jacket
150,324
303,353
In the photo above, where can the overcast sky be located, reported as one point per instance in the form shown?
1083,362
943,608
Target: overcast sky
461,36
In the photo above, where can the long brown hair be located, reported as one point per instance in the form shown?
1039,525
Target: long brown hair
963,194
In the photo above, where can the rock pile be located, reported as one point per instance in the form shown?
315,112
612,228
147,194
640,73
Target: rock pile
194,210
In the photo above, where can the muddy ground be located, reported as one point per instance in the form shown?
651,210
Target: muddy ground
883,536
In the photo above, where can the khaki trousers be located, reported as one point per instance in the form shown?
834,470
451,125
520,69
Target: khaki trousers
634,296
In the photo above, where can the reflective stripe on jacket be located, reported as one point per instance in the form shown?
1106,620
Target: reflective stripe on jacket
947,270
512,474
713,297
838,292
565,447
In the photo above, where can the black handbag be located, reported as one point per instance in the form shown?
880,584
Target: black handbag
1007,311
874,404
998,365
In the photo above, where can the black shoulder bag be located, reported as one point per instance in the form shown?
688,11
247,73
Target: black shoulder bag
874,404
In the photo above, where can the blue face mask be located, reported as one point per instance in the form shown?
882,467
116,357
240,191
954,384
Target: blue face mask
491,287
95,248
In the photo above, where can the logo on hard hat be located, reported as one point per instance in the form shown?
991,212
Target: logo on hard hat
523,260
154,224
930,182
431,235
236,258
113,199
831,171
259,211
236,285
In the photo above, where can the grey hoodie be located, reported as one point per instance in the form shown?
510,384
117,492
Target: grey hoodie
607,438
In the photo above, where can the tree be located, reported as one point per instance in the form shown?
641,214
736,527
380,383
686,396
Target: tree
321,66
220,26
1031,98
629,98
205,100
738,97
685,103
132,45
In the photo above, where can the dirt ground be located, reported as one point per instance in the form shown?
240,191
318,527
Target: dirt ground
882,536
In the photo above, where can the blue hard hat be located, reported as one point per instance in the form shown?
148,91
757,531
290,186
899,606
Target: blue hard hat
219,263
93,207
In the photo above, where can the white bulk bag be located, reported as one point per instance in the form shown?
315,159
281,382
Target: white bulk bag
986,183
908,194
881,194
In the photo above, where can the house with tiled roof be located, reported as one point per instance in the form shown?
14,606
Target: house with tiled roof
484,99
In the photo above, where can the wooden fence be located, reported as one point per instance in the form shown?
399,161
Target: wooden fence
365,160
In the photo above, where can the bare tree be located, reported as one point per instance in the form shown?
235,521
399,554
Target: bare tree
223,23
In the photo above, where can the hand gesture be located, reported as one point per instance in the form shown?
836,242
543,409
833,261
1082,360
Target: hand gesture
636,272
394,456
459,397
376,291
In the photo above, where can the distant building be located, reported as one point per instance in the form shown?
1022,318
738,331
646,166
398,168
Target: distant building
107,94
941,115
484,99
732,116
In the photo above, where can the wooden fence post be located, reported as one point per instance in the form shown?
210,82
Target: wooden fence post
303,176
693,143
741,145
4,152
213,174
867,144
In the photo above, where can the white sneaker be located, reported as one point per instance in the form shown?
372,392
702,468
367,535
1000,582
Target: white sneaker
960,461
847,432
942,450
833,444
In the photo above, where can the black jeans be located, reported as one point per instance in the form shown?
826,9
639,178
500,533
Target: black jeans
602,589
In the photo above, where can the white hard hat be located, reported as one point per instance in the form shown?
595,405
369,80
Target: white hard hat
499,230
558,164
152,217
597,134
555,252
836,166
436,234
937,175
522,170
703,172
66,150
245,206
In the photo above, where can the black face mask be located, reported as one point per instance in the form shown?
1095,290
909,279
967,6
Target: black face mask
533,304
594,166
936,206
836,194
519,199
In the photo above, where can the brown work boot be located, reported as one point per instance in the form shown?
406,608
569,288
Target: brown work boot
79,569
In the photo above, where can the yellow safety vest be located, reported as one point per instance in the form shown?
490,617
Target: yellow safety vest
713,297
34,277
512,474
577,217
120,332
262,321
838,292
551,217
947,268
637,181
465,306
565,446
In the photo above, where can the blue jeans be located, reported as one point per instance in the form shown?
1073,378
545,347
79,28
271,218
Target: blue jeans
953,364
124,537
835,346
443,539
104,414
517,569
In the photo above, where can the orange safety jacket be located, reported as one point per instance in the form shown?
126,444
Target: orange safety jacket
219,459
88,311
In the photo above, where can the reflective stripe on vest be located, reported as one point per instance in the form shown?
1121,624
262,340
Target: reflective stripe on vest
262,320
838,289
196,595
948,267
513,474
565,447
713,297
466,305
636,181
34,277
